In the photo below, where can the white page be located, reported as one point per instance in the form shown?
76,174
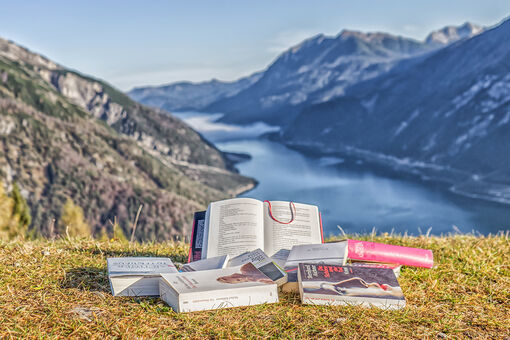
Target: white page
234,226
305,229
216,262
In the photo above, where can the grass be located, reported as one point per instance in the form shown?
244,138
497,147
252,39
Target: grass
59,289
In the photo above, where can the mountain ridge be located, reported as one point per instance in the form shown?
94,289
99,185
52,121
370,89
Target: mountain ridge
456,129
317,69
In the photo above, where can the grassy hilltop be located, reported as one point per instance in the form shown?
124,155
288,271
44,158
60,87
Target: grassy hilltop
59,289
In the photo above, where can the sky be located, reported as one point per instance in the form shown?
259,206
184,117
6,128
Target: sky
138,43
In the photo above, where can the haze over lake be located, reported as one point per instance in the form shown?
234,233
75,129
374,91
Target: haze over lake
350,194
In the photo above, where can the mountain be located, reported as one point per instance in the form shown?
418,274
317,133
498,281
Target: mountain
186,96
450,34
63,134
444,115
319,70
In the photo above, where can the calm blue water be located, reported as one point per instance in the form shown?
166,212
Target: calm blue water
352,196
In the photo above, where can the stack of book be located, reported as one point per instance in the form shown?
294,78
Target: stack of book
244,250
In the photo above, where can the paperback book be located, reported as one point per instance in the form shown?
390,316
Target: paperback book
332,253
197,237
137,276
220,288
324,284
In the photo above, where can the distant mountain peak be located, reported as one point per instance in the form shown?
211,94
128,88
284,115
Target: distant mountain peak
315,40
366,36
450,34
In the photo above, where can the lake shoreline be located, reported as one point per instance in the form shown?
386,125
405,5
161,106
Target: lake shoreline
354,191
443,177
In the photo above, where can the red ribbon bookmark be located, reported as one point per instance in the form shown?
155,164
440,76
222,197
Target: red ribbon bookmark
292,212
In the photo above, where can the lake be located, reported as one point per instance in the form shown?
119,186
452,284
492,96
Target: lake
350,194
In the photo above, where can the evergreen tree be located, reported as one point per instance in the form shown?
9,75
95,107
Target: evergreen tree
8,222
73,221
21,210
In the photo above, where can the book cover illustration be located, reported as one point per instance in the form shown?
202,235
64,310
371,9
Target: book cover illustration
356,285
245,275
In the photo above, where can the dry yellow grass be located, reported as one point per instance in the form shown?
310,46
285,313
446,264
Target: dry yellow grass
60,290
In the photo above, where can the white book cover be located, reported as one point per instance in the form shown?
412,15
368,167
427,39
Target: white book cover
216,262
137,276
263,263
333,253
220,288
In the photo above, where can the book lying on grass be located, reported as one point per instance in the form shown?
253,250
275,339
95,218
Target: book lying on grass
324,284
197,237
137,276
332,253
221,288
238,225
263,263
395,267
387,253
217,262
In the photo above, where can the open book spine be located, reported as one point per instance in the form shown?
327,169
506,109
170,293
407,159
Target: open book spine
378,252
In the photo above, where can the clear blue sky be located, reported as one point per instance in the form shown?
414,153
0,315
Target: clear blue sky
133,43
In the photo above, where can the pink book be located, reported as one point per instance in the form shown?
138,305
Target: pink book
379,252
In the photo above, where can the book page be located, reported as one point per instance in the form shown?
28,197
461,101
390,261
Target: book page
234,226
305,229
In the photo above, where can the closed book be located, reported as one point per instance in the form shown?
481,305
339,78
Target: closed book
387,253
220,288
137,276
323,284
197,237
332,253
395,267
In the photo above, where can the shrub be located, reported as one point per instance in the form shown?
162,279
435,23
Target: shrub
72,220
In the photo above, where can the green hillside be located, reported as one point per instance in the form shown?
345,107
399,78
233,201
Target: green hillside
65,136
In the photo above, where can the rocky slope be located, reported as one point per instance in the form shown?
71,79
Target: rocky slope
63,134
444,115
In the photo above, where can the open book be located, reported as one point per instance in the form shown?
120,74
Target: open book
240,225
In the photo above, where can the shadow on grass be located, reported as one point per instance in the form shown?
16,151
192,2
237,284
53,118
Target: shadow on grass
86,278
